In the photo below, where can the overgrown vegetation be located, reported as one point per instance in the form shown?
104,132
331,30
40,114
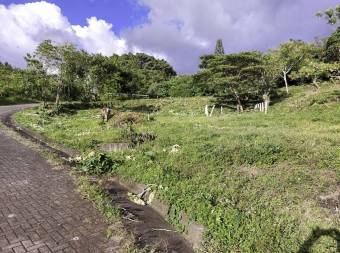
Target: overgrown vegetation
253,180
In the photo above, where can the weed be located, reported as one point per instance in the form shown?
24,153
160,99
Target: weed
98,164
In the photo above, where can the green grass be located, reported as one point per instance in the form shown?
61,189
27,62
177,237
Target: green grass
253,180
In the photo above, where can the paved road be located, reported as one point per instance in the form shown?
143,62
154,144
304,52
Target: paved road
40,210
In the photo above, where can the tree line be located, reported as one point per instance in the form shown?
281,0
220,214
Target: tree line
56,72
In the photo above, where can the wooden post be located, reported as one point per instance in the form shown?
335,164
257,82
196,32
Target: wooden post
206,111
212,110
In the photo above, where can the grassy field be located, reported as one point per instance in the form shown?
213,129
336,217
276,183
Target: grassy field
254,180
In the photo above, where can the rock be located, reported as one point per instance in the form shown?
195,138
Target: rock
114,147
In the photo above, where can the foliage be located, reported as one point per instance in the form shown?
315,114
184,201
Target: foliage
219,49
61,71
332,15
54,61
146,70
332,50
178,86
291,56
238,76
315,71
135,138
98,164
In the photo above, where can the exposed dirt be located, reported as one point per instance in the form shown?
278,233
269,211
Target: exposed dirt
331,201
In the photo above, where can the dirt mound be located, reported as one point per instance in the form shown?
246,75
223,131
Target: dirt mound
331,201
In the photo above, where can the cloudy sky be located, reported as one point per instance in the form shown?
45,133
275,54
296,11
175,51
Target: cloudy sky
177,30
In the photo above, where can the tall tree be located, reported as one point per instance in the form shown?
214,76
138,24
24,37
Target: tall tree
219,49
238,76
53,61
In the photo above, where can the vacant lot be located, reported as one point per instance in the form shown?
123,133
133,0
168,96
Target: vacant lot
259,183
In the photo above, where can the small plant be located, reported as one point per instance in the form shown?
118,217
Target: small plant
98,164
136,138
142,138
92,144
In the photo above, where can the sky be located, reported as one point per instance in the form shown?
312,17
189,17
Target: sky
178,31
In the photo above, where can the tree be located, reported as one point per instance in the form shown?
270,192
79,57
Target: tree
314,71
332,48
238,76
332,15
219,49
178,86
145,70
289,57
52,60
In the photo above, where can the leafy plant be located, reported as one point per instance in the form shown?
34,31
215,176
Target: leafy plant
98,164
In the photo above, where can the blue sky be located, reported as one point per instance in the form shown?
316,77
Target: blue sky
179,31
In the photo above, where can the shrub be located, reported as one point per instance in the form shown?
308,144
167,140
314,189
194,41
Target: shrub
136,138
98,164
130,118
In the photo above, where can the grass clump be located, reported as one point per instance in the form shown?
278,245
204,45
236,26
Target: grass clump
96,163
101,200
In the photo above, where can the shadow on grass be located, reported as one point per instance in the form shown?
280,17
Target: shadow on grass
316,235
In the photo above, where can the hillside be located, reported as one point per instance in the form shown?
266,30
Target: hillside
259,183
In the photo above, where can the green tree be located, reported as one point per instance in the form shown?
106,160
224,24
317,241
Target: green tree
314,71
332,48
145,70
219,49
53,61
290,57
238,76
178,86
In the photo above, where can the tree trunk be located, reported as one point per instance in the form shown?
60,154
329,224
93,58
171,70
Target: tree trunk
239,106
286,81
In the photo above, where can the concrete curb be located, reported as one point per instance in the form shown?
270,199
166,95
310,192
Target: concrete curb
194,232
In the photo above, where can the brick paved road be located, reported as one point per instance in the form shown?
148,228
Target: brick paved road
40,210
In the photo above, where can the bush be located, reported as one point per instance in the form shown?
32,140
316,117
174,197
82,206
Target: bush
159,90
136,138
130,118
98,164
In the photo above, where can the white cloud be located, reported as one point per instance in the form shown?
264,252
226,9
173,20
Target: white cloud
24,26
98,37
